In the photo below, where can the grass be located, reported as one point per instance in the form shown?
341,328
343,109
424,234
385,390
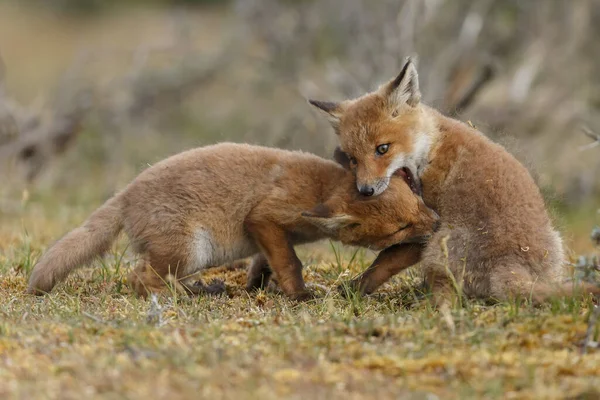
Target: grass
92,336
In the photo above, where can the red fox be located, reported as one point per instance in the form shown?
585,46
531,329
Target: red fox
496,239
216,204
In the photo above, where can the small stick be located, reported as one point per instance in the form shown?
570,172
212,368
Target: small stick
485,75
154,315
588,342
589,133
93,317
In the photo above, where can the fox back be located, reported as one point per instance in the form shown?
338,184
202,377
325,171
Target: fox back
208,206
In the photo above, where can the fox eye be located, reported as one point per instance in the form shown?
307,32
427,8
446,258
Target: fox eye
400,228
382,149
353,161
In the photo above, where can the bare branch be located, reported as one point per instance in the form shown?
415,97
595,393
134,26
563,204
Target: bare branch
589,334
2,76
484,76
33,143
589,133
93,317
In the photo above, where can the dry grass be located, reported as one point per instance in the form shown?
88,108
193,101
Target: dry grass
92,336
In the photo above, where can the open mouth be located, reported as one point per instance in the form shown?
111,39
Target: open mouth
410,179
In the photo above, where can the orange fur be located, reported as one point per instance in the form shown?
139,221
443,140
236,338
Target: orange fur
216,204
496,238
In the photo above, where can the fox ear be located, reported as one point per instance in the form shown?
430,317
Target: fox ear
324,218
341,158
333,110
404,89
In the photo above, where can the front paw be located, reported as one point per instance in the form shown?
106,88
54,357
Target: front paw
214,288
302,296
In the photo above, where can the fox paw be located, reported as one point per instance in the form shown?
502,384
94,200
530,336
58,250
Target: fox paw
302,296
215,287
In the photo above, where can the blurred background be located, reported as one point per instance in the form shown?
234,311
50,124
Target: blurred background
92,91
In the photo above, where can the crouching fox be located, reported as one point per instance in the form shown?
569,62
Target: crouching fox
216,204
496,239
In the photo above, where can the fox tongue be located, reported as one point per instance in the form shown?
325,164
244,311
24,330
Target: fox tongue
402,173
408,177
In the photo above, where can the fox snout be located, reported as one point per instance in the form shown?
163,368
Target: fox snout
437,223
372,188
371,178
431,223
427,230
366,190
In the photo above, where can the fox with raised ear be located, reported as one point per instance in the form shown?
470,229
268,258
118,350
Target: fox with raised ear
496,240
216,204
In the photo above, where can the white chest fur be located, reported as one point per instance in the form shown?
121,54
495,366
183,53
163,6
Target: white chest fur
208,252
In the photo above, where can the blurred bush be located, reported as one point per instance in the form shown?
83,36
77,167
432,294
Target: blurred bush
91,7
516,69
523,72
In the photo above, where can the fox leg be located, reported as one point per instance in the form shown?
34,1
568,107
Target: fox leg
259,273
515,281
151,275
144,279
440,284
388,263
217,286
445,283
282,258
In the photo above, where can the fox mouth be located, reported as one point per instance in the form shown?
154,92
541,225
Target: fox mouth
410,179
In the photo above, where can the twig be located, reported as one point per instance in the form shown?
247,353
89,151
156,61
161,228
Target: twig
313,285
154,315
2,74
595,235
588,341
93,317
485,75
589,133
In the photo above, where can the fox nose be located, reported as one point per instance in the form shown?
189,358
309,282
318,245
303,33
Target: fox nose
366,190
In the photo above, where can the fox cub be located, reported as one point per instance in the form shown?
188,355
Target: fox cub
496,239
216,204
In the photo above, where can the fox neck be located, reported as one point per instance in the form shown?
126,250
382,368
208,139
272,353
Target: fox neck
449,138
425,138
450,133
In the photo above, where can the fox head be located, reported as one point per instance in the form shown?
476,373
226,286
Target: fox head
384,132
397,216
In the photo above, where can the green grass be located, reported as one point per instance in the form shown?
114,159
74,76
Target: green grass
93,336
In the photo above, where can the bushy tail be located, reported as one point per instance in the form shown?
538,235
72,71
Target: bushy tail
78,247
543,292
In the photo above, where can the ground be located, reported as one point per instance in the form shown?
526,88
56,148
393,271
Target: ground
93,336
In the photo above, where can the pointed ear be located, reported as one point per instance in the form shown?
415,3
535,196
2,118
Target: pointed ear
324,218
333,110
404,89
341,158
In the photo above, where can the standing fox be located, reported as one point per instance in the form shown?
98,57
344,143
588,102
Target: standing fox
495,239
216,204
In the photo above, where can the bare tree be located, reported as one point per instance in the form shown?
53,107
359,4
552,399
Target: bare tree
32,137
